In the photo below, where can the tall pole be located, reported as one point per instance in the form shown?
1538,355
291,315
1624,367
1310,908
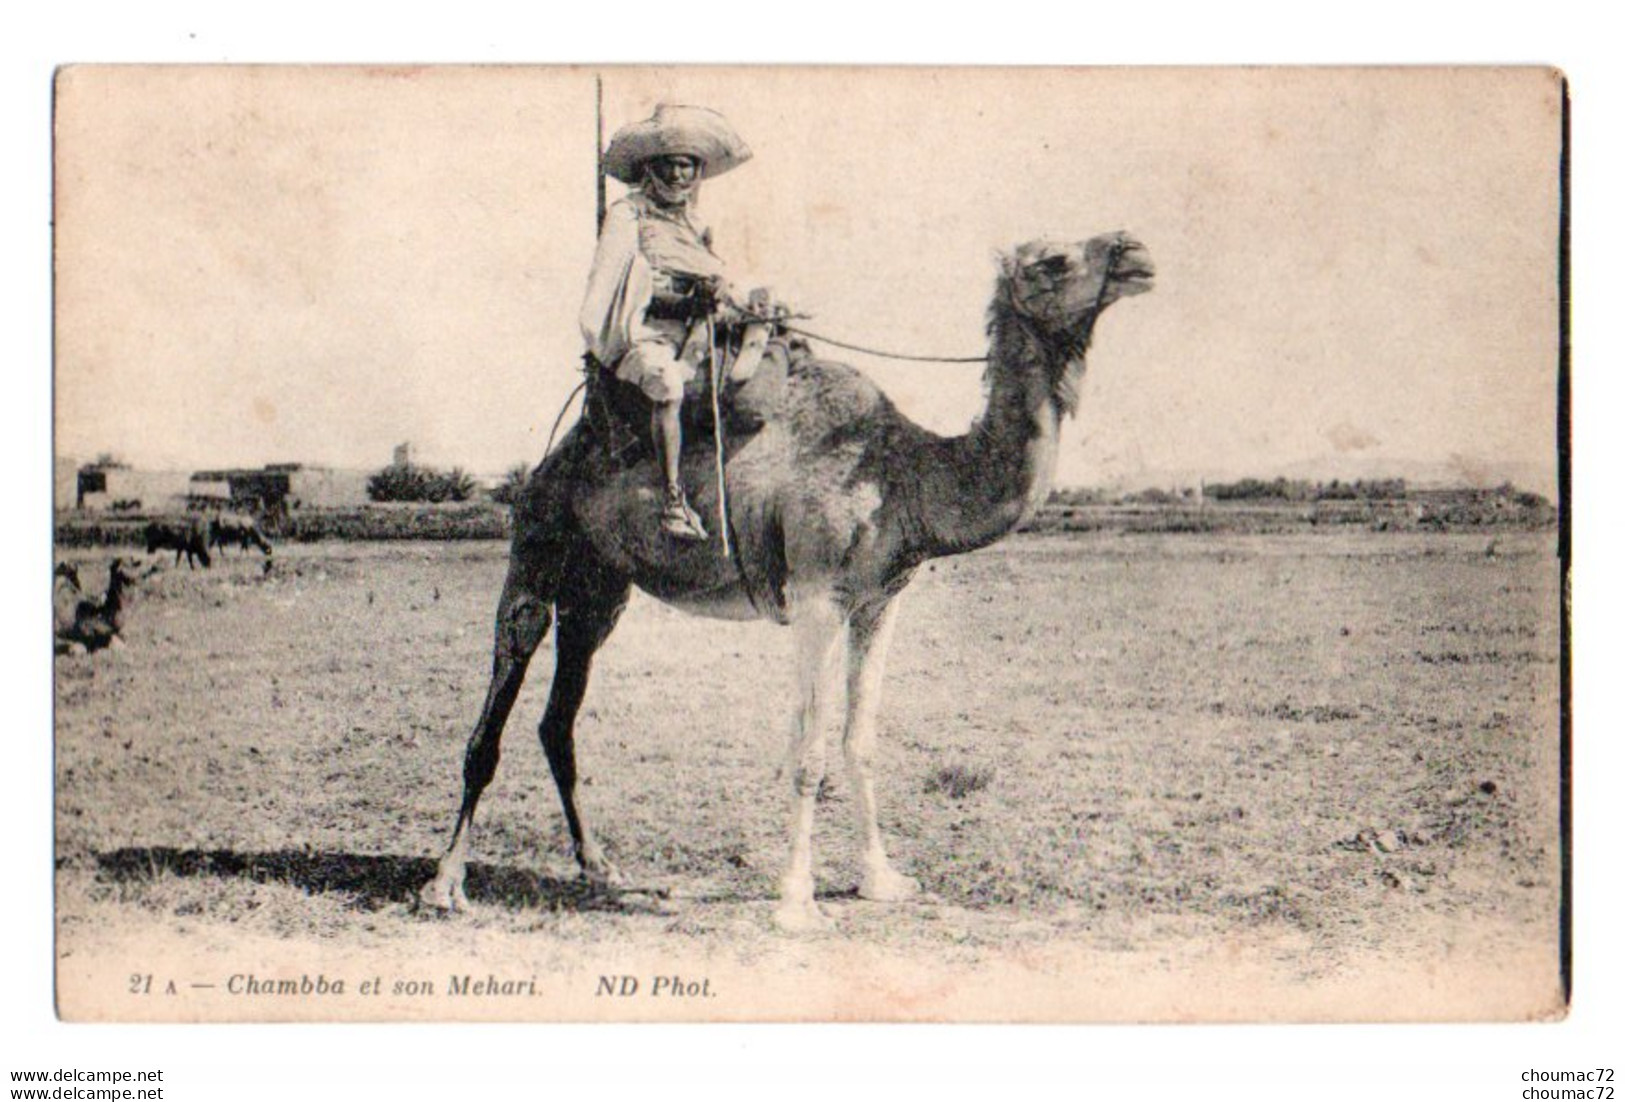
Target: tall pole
602,205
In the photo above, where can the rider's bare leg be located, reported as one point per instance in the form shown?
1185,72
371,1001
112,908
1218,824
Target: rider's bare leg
666,423
666,426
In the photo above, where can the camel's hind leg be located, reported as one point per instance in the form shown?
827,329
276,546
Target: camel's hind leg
590,602
523,616
868,638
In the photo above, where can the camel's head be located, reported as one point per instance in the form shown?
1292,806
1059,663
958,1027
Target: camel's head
1064,285
121,573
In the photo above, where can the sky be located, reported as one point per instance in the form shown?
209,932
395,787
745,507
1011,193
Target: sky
1356,268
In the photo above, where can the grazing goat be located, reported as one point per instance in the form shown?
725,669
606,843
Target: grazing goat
231,528
96,624
189,537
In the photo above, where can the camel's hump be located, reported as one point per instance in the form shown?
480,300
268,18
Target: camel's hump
833,395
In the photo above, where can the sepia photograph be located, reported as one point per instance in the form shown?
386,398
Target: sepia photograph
810,544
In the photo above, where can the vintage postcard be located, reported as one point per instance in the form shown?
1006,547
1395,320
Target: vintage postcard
810,544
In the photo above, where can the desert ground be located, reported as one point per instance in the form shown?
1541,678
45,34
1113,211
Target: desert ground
1137,776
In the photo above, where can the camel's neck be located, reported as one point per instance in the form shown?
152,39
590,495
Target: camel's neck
114,597
988,481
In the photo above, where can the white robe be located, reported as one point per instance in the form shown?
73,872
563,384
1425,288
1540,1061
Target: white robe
640,248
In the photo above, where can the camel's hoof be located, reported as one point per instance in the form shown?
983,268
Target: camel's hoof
802,918
602,876
444,894
888,886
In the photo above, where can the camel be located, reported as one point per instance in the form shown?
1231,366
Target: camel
188,536
235,528
98,623
833,504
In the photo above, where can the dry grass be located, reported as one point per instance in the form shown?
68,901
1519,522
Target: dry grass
958,781
1115,737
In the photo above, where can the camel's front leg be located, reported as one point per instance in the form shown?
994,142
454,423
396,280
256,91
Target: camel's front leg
867,642
818,628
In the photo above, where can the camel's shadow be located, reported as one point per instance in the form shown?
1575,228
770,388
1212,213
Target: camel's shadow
370,882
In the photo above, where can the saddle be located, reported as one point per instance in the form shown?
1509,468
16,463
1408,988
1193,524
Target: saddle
617,412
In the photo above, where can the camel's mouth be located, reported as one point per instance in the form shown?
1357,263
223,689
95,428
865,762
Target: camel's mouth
1134,279
1134,268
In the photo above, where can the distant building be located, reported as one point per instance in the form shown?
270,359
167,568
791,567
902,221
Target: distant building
403,455
209,493
281,487
268,490
105,488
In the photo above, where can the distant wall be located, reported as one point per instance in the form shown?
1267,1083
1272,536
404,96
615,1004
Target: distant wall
326,488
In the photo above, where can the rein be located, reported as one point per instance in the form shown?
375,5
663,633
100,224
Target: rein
559,420
1113,256
882,354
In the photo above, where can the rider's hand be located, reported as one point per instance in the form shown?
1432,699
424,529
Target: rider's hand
728,295
724,303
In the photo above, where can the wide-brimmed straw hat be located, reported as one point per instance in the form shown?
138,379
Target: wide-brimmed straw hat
676,130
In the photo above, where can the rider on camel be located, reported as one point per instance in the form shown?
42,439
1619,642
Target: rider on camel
654,278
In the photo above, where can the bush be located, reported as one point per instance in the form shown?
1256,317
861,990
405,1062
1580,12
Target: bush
407,482
512,486
1254,489
1362,489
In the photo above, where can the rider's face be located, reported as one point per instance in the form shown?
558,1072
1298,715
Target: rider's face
676,171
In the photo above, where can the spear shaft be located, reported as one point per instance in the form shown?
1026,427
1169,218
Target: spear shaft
602,205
